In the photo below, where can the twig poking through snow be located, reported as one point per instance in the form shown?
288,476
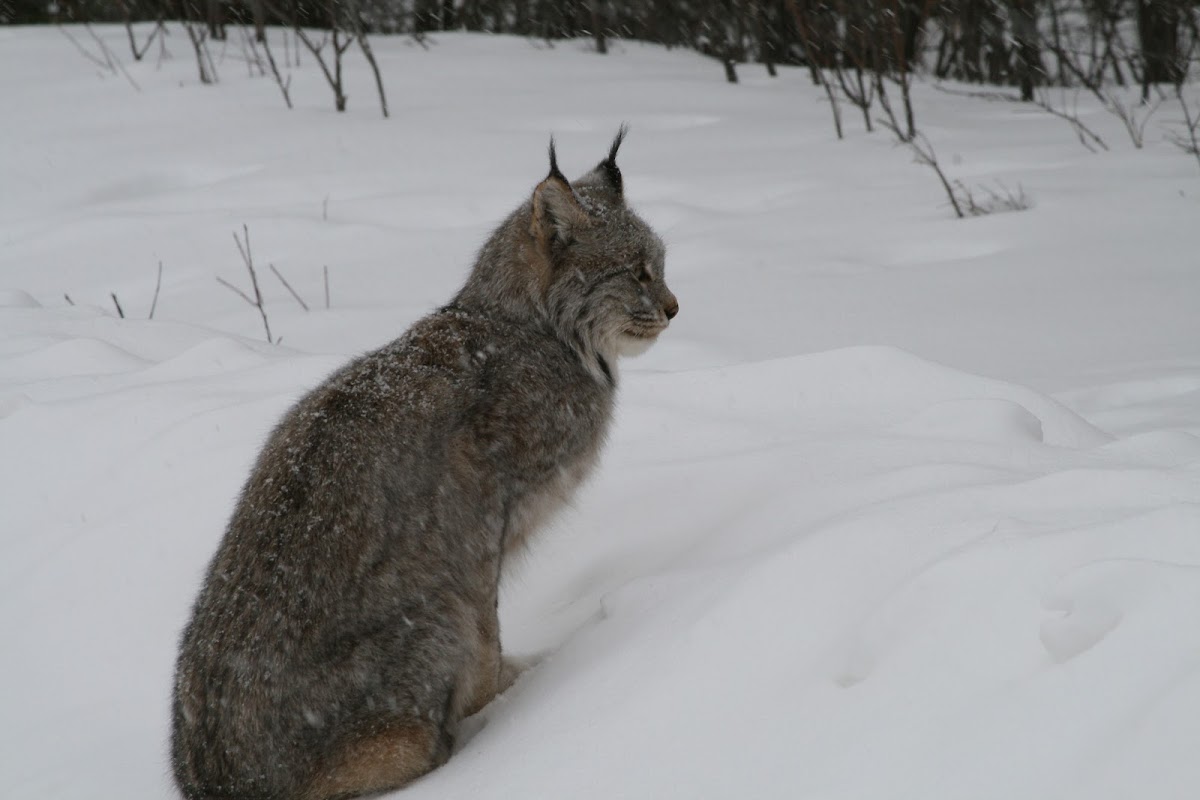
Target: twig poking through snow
284,86
117,303
1189,140
326,270
157,287
257,302
198,35
159,29
288,286
114,63
360,36
83,51
997,201
250,54
924,153
1082,131
231,287
110,62
1039,99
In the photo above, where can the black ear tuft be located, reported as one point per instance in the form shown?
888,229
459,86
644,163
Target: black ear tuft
609,165
612,151
556,210
555,172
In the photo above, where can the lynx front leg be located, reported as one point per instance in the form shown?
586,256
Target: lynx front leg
513,668
484,680
497,674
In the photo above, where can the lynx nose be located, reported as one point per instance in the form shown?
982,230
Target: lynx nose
672,308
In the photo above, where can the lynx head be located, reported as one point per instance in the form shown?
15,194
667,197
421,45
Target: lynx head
575,257
601,264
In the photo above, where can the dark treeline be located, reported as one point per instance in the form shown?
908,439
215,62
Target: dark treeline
1022,43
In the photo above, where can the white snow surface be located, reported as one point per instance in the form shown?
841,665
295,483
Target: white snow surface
901,506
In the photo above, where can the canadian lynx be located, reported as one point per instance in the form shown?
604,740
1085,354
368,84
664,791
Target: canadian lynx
347,622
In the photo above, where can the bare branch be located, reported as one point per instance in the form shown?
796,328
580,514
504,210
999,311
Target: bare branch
1082,131
365,46
117,303
924,153
1039,100
243,249
243,246
284,86
83,51
138,53
157,287
333,78
231,287
858,92
335,83
162,48
288,286
1189,140
197,35
108,61
1133,125
250,53
114,63
891,123
258,300
996,202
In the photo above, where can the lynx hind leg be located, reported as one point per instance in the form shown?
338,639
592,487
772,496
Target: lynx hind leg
382,760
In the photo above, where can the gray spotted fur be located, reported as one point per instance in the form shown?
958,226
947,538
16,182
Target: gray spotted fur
355,589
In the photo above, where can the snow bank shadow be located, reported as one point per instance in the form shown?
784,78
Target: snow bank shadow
843,555
860,391
177,178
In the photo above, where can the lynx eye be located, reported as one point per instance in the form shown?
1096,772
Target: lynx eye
643,274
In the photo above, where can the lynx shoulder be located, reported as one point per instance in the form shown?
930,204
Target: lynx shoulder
347,622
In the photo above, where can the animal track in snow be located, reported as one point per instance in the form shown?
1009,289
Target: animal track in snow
1087,605
1076,628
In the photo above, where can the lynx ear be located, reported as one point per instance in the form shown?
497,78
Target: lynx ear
608,167
557,213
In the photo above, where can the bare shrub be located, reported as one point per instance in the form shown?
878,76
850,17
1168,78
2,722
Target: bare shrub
1187,138
345,29
243,246
984,199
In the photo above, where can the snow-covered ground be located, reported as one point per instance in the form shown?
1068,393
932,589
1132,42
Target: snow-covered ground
901,506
